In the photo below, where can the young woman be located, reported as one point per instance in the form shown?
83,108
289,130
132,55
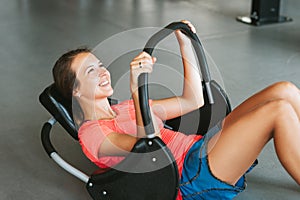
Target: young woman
211,167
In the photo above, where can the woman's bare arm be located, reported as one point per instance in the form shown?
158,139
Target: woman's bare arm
192,94
117,144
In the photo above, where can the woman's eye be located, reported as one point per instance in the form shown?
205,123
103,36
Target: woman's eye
90,70
101,65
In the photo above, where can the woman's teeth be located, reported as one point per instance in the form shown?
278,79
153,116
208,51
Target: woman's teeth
103,83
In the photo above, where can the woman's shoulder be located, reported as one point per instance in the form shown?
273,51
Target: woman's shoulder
87,125
95,127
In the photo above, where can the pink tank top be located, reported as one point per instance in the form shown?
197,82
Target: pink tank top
92,133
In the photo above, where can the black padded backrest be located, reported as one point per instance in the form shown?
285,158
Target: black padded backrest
61,109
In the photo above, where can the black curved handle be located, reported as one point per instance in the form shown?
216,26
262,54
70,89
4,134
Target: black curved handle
156,38
143,78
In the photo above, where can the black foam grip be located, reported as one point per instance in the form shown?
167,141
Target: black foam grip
45,137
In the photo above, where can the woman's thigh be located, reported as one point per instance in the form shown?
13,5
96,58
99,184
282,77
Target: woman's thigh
280,90
233,150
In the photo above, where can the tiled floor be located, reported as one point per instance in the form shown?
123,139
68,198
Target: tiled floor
34,33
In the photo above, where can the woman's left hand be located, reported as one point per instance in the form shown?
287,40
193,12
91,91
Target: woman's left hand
142,63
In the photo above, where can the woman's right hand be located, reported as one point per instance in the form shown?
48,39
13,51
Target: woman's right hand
142,63
183,39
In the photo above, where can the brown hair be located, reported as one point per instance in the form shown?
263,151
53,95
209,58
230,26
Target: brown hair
64,77
65,80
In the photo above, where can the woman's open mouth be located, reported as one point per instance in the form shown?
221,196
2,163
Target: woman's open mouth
104,83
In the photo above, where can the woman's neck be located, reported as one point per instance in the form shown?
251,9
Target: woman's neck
100,109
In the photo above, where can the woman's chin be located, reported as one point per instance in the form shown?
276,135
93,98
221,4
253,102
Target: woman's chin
111,92
104,91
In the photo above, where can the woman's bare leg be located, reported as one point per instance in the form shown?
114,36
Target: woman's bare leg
232,152
281,90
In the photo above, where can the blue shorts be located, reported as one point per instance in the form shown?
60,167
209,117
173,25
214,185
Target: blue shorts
197,181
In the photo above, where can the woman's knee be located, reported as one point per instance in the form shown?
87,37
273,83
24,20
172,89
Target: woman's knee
274,113
280,108
286,89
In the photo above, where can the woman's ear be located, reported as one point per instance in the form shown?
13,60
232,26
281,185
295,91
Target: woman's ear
76,93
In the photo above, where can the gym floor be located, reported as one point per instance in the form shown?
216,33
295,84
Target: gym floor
34,33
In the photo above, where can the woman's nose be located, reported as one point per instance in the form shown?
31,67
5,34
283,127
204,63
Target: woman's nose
102,71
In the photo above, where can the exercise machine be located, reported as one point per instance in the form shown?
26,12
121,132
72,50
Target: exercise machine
154,175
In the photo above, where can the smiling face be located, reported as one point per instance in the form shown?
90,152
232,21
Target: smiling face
93,79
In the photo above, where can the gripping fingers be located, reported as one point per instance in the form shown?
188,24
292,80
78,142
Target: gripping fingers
143,63
190,25
142,66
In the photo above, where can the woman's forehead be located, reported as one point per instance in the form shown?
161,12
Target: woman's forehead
83,60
